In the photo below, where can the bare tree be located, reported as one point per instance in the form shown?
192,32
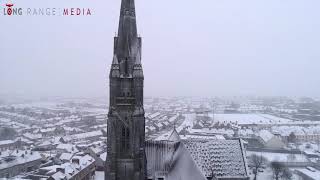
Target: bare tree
213,176
257,162
280,171
286,174
292,138
277,168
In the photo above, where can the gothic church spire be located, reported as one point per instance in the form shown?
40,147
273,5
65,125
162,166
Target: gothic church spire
127,31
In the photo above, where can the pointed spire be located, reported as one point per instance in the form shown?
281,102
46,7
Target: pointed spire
127,14
127,31
115,69
115,60
138,58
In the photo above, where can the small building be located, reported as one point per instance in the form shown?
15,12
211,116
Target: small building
8,144
100,156
270,141
66,148
309,173
78,168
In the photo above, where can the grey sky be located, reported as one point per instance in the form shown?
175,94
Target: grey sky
190,47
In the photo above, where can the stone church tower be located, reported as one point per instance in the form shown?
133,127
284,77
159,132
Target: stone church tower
126,158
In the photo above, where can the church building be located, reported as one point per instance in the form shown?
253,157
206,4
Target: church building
129,155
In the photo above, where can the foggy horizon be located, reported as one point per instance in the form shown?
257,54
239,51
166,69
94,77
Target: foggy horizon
203,48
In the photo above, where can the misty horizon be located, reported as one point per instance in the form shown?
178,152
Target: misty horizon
207,48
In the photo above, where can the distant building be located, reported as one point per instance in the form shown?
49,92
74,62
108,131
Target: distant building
270,141
203,119
92,136
66,148
8,144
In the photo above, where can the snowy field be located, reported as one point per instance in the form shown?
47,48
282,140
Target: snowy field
281,157
267,174
243,119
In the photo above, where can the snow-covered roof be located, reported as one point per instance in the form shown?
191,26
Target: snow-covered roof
84,135
97,150
151,116
172,160
70,169
32,136
103,156
58,176
202,137
314,173
15,157
173,118
265,135
6,142
66,156
174,136
223,158
67,147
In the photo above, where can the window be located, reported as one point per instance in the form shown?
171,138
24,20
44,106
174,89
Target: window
125,139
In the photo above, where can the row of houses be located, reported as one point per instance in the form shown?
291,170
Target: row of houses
14,162
62,161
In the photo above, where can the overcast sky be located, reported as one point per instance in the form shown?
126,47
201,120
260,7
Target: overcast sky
190,47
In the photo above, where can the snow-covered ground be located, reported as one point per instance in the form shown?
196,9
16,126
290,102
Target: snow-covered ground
281,157
243,119
99,175
267,174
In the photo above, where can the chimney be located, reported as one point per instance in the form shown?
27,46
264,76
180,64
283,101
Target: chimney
61,170
75,161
